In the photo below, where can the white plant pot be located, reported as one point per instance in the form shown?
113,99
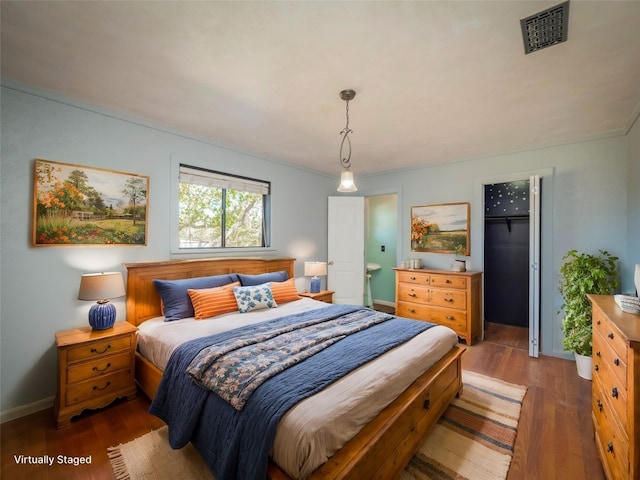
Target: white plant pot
584,366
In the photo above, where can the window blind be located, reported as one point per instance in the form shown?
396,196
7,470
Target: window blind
211,178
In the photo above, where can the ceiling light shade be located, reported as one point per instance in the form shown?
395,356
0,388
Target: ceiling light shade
347,184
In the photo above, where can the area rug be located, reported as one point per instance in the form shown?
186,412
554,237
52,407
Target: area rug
473,440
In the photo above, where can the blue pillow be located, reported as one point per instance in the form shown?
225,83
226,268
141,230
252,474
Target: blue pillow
175,298
249,280
254,297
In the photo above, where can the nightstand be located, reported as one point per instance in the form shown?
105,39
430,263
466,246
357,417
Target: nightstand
323,296
95,367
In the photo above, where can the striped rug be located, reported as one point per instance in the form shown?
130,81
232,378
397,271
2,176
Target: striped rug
473,440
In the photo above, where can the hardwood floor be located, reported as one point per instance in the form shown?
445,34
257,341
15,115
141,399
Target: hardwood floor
555,436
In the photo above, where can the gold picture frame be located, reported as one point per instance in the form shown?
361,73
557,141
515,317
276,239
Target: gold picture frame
76,205
441,228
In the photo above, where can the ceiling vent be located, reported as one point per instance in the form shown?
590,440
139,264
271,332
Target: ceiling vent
546,28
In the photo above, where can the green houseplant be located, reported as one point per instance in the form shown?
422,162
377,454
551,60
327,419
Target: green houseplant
582,274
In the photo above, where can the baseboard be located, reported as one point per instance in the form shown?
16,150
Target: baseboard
25,410
385,303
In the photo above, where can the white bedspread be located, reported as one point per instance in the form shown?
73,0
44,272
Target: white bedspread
317,427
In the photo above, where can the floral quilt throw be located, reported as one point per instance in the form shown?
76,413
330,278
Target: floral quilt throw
235,367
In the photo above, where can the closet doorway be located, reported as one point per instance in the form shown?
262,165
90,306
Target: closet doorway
511,265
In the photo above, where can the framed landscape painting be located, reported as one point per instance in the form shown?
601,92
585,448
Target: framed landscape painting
442,228
77,205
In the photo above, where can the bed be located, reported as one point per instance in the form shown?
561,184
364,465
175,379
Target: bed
382,447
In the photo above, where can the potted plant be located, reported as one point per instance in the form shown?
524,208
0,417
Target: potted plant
582,274
459,263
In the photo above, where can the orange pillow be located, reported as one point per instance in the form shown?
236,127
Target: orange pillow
209,302
284,291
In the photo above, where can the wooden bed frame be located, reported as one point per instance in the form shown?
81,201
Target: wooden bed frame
383,447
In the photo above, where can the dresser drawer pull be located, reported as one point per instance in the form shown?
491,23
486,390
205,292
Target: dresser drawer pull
96,369
93,350
598,322
450,317
411,310
412,294
598,354
413,278
610,447
95,387
447,281
599,403
596,367
614,392
450,300
427,404
616,362
610,336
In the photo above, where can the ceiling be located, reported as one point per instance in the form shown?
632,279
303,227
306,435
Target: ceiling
436,82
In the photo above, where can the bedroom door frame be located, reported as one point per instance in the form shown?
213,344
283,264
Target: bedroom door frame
536,296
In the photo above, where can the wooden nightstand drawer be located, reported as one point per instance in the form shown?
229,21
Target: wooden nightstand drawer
98,367
98,387
96,349
325,296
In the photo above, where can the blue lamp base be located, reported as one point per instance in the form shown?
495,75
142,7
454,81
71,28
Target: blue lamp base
315,285
102,315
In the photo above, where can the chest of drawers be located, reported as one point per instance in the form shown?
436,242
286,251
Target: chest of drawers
616,388
94,368
447,298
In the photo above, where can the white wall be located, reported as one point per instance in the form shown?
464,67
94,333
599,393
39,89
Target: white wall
584,206
39,286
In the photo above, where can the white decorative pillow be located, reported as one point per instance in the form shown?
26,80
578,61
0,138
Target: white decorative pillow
254,297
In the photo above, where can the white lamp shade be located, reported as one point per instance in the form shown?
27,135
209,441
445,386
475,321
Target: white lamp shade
315,269
101,286
347,184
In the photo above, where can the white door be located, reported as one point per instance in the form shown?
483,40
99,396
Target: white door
345,248
534,265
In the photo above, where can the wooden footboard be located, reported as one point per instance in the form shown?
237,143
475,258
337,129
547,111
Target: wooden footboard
385,446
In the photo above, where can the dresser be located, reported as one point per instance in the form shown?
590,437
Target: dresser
453,299
94,368
616,388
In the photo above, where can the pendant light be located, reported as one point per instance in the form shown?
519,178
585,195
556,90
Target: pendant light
347,183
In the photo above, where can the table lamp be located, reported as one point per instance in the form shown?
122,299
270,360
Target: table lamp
101,287
315,270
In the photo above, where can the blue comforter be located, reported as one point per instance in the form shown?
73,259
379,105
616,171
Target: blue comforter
236,444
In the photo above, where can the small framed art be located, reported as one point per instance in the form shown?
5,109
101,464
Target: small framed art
442,228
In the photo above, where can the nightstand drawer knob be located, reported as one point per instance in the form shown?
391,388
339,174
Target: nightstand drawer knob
95,387
96,369
93,350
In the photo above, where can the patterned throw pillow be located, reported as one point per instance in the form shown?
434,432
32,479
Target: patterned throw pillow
284,292
254,297
209,302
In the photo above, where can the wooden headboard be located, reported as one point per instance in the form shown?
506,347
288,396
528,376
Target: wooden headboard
143,301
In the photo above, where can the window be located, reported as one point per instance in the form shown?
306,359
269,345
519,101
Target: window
218,210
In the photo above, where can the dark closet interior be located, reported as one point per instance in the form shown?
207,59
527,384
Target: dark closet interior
506,253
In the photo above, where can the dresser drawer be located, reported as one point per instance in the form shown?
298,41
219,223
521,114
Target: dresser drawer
98,367
605,357
105,385
102,347
449,298
612,441
413,277
412,310
411,293
456,320
609,334
611,389
448,281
